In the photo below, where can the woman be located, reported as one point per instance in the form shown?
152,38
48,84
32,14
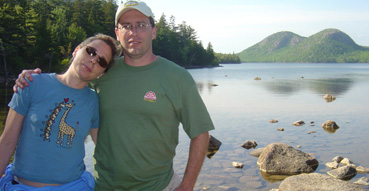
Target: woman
49,121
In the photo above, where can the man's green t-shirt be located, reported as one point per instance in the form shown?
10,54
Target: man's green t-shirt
140,112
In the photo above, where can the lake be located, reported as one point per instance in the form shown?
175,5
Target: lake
241,108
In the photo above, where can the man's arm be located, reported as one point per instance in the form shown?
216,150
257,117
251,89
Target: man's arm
21,80
198,149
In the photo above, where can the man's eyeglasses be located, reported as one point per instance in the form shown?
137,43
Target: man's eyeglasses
92,52
140,27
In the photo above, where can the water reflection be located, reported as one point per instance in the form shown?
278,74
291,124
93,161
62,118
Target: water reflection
334,86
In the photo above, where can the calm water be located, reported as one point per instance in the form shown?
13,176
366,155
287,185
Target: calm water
241,108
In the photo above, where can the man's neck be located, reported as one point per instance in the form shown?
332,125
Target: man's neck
142,61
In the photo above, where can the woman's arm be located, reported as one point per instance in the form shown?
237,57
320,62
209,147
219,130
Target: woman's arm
9,138
93,133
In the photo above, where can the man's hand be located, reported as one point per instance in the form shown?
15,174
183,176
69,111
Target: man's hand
21,80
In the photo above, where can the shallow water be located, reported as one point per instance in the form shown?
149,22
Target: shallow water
241,108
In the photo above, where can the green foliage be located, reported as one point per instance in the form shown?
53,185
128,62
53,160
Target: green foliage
327,46
228,58
41,33
44,33
179,44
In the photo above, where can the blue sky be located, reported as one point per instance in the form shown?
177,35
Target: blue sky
234,25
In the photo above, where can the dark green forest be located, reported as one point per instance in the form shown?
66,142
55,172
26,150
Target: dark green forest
43,33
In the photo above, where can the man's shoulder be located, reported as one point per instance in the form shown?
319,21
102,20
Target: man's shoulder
170,64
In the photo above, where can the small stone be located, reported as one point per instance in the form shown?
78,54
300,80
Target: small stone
343,173
280,129
237,164
337,159
330,126
298,123
332,165
346,161
363,181
329,98
362,170
273,121
249,144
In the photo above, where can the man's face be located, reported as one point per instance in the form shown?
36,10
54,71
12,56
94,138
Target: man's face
136,41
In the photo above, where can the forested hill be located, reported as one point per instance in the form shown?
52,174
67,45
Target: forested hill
327,46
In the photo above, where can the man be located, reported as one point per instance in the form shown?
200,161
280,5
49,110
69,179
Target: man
143,99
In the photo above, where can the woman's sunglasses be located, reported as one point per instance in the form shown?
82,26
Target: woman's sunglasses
92,52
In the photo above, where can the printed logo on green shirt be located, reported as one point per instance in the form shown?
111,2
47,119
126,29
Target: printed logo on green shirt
150,97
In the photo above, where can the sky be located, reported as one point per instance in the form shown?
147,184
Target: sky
234,25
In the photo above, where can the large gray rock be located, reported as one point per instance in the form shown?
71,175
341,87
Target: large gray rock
282,159
317,182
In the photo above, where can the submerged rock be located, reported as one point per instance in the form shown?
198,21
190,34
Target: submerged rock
282,159
316,181
249,144
257,152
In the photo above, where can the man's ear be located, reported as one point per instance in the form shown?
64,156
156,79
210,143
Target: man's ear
75,51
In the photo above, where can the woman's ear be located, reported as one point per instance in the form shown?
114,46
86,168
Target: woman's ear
75,51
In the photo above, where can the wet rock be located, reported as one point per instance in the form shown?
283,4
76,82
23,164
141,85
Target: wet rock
362,170
257,152
363,181
330,126
282,159
237,164
298,123
329,98
280,129
332,165
346,161
214,145
249,144
316,181
337,159
273,121
343,173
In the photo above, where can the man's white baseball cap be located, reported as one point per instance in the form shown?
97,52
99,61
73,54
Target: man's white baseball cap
137,5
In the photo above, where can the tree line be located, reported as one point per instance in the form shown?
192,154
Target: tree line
44,33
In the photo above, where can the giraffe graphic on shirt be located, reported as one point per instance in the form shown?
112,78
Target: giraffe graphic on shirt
65,129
